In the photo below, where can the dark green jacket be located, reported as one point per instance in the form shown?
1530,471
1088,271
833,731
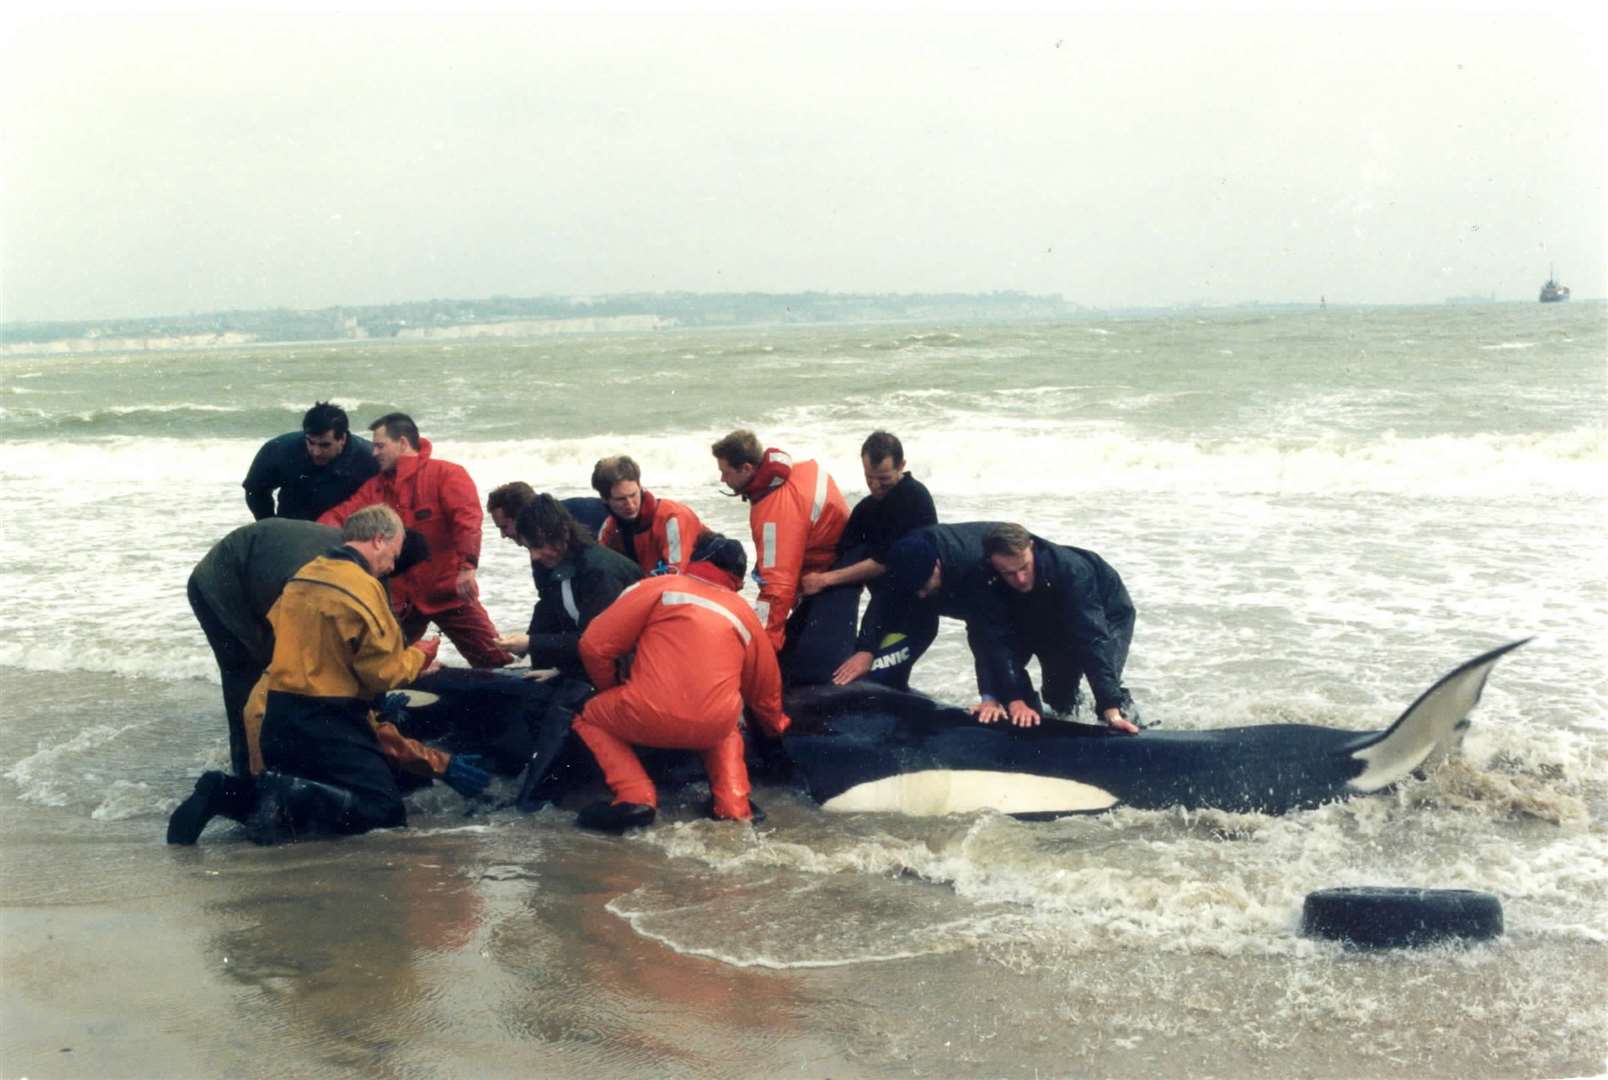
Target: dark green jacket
244,573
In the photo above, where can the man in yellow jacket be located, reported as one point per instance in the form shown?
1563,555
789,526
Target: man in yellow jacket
336,647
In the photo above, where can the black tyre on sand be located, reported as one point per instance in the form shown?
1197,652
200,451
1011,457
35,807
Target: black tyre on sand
1378,917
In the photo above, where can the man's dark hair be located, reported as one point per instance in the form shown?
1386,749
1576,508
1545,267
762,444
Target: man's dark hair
544,521
880,446
510,498
711,547
324,416
1006,539
741,447
398,425
611,470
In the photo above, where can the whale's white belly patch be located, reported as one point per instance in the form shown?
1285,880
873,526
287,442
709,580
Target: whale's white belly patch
934,792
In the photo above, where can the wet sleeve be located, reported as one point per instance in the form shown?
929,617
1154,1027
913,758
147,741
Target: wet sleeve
608,534
779,538
553,638
988,634
922,510
382,661
854,535
677,533
1092,642
604,588
762,681
363,496
462,503
614,633
409,755
260,482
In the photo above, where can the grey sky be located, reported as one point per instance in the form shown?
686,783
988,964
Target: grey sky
166,165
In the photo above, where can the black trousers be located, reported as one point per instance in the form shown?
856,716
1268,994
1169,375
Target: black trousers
1062,666
237,669
329,740
896,654
820,636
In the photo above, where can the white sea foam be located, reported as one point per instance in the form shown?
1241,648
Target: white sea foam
963,459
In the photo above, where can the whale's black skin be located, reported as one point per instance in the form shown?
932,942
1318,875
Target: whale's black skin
868,748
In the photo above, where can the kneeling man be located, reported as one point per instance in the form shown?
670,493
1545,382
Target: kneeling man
701,655
336,646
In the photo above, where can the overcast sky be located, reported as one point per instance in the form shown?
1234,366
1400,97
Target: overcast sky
158,166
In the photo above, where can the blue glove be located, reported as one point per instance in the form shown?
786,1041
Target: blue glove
465,776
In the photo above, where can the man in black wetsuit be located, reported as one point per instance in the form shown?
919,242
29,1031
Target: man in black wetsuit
897,504
313,469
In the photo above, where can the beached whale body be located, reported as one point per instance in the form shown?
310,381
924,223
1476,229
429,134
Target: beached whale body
866,748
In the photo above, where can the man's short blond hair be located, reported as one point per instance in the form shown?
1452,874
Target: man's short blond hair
377,522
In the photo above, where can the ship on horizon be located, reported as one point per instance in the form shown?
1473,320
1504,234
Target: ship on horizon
1552,292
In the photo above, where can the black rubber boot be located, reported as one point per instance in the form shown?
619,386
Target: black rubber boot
615,817
292,807
191,815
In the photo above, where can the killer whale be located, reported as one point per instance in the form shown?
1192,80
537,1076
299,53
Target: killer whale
867,748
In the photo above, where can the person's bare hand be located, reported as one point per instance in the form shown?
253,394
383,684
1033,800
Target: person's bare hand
855,667
1024,716
1115,719
989,712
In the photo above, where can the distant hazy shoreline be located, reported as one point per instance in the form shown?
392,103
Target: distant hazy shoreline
515,319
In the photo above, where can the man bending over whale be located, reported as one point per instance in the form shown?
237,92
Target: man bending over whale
1069,608
931,571
232,590
336,647
700,655
797,515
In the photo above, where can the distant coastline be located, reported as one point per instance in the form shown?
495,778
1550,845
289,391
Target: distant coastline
509,317
515,318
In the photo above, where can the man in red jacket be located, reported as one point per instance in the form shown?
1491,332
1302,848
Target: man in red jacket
797,515
700,656
438,499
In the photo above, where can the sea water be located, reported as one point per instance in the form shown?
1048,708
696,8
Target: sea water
1317,514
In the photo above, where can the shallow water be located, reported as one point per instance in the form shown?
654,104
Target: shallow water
1317,514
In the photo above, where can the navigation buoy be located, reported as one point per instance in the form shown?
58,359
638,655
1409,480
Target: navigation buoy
1380,917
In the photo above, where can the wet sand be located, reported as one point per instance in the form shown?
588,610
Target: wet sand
517,946
458,954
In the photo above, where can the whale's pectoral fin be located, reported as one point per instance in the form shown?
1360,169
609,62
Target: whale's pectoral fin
1430,728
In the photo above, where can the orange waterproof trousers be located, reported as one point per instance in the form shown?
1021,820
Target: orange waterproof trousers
619,718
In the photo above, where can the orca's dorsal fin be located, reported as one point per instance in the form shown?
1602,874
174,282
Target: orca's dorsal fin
1430,726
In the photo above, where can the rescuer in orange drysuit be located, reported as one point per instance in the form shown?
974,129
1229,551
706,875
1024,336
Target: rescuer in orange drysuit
797,515
657,533
700,656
